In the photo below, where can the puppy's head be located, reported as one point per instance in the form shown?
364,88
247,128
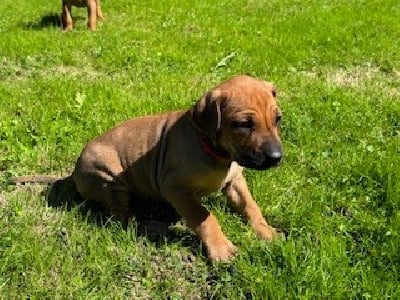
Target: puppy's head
241,117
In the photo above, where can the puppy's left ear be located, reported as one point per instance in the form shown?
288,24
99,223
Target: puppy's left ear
206,115
273,90
271,87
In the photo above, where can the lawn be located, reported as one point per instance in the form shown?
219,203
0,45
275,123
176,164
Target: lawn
337,193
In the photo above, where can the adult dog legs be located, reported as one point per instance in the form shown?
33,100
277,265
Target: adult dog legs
92,14
66,18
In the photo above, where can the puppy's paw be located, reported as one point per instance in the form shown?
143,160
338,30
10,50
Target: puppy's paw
268,233
222,250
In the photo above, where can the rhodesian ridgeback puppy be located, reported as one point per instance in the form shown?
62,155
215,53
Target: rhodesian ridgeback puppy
180,156
183,155
93,8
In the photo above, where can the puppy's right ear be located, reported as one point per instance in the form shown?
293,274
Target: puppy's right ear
206,115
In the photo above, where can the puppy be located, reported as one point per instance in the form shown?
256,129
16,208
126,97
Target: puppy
181,156
93,8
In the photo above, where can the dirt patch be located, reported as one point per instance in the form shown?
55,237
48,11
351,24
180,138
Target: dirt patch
353,77
71,71
11,70
360,77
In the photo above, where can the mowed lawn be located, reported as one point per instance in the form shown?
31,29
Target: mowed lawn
337,193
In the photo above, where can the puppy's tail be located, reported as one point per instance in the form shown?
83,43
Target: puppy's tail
39,179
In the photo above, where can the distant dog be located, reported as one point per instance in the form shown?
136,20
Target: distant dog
93,8
180,156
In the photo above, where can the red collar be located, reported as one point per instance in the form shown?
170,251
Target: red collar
210,149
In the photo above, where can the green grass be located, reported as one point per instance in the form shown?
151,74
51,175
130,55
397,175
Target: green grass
336,65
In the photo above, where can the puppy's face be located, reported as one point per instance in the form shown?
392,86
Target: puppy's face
241,117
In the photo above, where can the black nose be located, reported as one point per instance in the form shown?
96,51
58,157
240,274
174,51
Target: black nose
270,157
274,156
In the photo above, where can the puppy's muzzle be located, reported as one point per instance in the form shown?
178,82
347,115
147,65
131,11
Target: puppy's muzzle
268,156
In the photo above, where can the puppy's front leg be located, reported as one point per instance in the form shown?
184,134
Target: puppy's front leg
204,223
239,195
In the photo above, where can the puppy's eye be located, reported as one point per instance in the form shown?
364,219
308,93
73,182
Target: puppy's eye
243,125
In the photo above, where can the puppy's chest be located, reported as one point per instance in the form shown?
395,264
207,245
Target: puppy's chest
204,184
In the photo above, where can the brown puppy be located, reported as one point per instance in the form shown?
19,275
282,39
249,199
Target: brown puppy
93,8
180,156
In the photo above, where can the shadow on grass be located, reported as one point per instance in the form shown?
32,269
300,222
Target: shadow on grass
153,220
46,21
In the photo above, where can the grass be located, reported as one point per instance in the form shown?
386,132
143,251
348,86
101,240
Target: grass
337,69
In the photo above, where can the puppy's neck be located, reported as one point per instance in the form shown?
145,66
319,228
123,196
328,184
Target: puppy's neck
208,147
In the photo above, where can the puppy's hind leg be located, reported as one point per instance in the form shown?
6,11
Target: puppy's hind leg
119,207
113,196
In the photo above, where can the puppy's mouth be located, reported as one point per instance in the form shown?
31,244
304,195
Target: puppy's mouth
260,160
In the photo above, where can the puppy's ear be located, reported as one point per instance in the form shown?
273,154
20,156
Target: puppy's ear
271,87
206,115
